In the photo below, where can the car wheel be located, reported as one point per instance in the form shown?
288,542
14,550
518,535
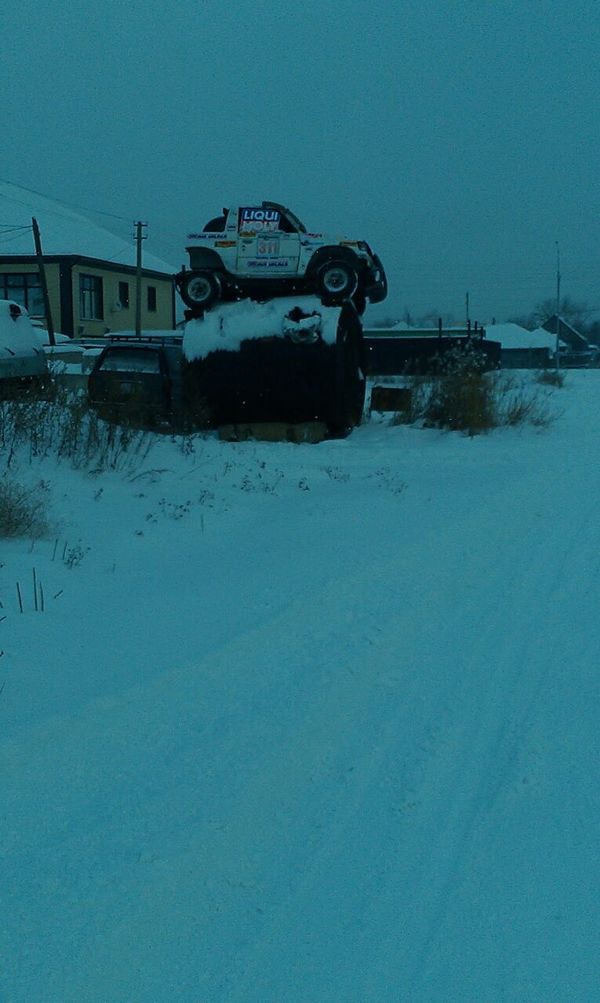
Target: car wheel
337,281
200,290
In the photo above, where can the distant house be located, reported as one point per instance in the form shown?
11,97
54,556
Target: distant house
573,339
521,348
403,349
90,272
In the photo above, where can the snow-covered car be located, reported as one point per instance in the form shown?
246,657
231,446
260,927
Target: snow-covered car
265,251
22,360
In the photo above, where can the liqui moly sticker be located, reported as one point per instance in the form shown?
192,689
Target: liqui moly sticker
258,220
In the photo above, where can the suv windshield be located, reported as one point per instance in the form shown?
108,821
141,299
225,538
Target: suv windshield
288,214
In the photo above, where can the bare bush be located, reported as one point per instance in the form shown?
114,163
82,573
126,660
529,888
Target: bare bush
64,426
463,396
517,404
22,510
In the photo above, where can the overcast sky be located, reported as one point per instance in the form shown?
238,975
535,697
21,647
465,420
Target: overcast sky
462,139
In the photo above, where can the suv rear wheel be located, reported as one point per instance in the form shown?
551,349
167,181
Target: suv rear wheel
200,289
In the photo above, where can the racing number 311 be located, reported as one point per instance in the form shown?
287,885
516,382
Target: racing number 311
267,246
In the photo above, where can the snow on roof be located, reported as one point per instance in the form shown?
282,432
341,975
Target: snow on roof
541,332
515,336
63,231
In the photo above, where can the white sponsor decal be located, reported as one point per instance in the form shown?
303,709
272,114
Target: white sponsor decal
268,263
258,220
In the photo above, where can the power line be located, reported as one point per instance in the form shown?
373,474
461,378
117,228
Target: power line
63,203
9,231
125,247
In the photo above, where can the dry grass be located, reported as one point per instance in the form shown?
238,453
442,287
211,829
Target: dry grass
63,426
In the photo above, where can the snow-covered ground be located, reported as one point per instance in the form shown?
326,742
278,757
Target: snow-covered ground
309,724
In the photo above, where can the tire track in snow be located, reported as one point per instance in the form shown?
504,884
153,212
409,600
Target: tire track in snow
253,774
521,666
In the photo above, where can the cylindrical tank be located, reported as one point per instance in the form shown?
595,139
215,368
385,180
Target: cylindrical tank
288,360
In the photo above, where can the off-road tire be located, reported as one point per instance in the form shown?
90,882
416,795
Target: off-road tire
337,281
200,289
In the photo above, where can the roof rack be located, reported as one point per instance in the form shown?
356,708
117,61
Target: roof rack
162,339
154,339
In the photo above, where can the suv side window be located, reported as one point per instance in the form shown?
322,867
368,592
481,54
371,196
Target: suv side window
216,225
286,226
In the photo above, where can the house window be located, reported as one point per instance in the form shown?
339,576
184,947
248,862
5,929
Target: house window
152,299
124,295
25,289
90,297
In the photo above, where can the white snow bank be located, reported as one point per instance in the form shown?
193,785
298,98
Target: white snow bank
227,326
324,747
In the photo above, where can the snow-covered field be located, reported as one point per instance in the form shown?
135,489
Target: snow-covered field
309,724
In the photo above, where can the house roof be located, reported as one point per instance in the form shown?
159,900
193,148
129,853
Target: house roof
567,330
63,231
515,336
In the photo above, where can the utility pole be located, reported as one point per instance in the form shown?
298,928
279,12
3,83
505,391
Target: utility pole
139,237
42,270
557,306
467,314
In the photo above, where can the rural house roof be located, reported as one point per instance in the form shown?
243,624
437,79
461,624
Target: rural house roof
63,231
568,333
514,336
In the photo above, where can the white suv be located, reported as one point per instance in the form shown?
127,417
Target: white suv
264,251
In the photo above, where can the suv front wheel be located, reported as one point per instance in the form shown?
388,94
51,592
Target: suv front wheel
200,289
337,281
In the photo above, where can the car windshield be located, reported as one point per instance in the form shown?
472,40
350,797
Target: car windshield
132,360
288,214
299,226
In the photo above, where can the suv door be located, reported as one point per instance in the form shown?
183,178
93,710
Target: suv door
267,245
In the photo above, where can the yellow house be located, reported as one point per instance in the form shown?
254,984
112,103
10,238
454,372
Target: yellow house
90,272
